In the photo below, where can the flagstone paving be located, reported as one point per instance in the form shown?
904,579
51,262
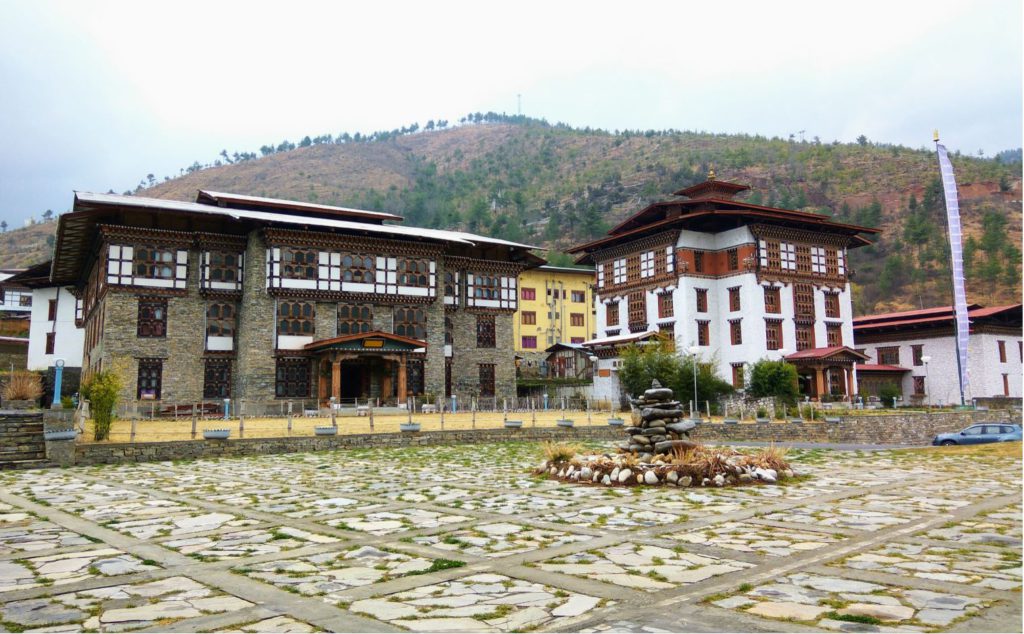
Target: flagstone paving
466,539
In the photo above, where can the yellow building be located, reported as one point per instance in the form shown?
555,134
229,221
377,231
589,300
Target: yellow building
556,305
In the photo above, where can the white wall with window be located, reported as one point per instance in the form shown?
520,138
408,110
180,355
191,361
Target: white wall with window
52,331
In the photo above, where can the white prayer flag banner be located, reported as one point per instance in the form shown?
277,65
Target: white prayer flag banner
963,325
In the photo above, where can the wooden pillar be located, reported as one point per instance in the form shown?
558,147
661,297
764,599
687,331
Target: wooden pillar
336,380
401,379
385,382
819,382
324,397
849,382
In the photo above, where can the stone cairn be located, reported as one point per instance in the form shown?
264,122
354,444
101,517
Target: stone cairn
658,425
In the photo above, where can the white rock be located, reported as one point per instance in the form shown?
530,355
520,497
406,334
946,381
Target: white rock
672,477
586,473
650,478
615,474
597,476
625,475
719,480
684,481
606,480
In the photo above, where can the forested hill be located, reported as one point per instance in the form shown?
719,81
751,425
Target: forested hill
555,186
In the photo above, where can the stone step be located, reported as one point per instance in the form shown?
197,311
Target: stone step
26,463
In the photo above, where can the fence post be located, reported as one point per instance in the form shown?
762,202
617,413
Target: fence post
504,411
370,405
289,418
533,413
441,405
474,413
193,421
241,427
334,417
586,402
707,404
132,439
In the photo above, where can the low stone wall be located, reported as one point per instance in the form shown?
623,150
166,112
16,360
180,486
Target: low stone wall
897,429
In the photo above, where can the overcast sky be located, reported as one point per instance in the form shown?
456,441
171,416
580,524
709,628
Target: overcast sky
95,95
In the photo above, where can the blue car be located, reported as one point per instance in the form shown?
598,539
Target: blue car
977,434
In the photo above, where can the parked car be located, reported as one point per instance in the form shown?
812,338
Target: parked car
977,434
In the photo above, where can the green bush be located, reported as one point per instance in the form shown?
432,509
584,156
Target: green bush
67,403
776,379
102,389
888,394
643,364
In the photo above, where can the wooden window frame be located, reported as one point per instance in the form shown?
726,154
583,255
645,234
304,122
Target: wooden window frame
698,261
666,306
735,301
51,310
300,264
292,377
528,293
154,262
637,311
772,300
486,373
528,318
485,335
737,376
919,386
412,272
832,310
216,378
1002,350
917,354
701,299
576,319
803,302
217,323
152,318
804,337
612,314
217,268
833,335
703,332
51,342
296,318
736,332
578,297
354,319
527,340
732,257
410,321
773,334
888,355
150,379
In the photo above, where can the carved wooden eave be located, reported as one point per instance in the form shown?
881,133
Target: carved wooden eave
340,242
473,265
832,283
157,237
635,247
813,238
220,242
306,294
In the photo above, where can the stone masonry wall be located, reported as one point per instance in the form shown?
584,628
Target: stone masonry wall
898,429
256,364
466,357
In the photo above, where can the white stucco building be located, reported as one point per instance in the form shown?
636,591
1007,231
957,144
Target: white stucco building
52,331
916,351
736,281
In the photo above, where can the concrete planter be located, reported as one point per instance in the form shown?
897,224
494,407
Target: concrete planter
513,424
763,421
326,431
833,419
19,404
216,434
564,422
616,422
798,421
731,421
64,434
409,427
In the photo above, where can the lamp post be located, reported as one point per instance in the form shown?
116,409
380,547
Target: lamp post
927,383
693,410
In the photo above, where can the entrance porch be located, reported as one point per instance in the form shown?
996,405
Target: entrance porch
827,372
368,365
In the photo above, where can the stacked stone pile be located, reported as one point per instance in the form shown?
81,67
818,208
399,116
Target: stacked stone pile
658,425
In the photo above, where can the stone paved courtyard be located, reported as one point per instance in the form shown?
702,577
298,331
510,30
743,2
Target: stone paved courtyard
465,539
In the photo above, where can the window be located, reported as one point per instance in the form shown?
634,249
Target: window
734,299
803,258
296,319
732,256
803,301
529,293
919,386
612,314
917,352
358,269
529,342
223,267
703,333
804,337
451,288
411,322
292,378
217,378
632,267
698,261
834,335
831,263
486,287
528,318
51,342
152,318
354,319
787,253
485,331
220,319
25,300
619,271
1006,385
1002,351
736,331
486,379
150,371
410,272
449,328
772,300
300,264
637,311
600,276
154,263
889,355
51,310
737,376
773,333
668,332
665,306
818,260
576,340
576,319
702,300
832,305
647,264
578,297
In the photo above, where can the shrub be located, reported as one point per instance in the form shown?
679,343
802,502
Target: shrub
560,452
23,386
776,379
102,390
888,394
67,403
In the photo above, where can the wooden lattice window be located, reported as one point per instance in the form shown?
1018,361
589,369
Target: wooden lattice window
803,301
152,318
772,300
889,355
529,293
411,321
737,375
292,378
296,318
773,255
698,261
637,311
734,299
612,314
919,386
702,300
773,333
1002,350
485,331
576,319
155,263
486,379
451,287
736,331
299,264
486,287
220,319
529,342
668,333
703,333
832,305
831,262
449,330
917,352
665,306
354,319
223,267
834,335
633,268
733,258
51,342
217,378
150,379
803,258
357,269
804,337
414,273
528,318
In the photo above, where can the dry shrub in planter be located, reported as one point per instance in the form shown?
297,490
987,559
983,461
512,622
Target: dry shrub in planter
560,451
23,386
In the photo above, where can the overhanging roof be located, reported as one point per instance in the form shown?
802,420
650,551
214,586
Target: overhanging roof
222,199
373,341
825,354
930,318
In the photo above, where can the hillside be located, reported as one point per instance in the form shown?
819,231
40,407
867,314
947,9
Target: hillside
555,186
20,248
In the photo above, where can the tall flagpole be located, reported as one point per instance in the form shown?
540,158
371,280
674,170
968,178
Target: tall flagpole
961,322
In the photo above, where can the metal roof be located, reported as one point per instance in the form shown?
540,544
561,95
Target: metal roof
226,199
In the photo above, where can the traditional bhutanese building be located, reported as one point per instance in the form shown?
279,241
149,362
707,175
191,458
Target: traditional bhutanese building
257,299
736,281
915,351
556,305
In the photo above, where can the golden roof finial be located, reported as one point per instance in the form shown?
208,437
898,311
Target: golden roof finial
936,136
711,173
